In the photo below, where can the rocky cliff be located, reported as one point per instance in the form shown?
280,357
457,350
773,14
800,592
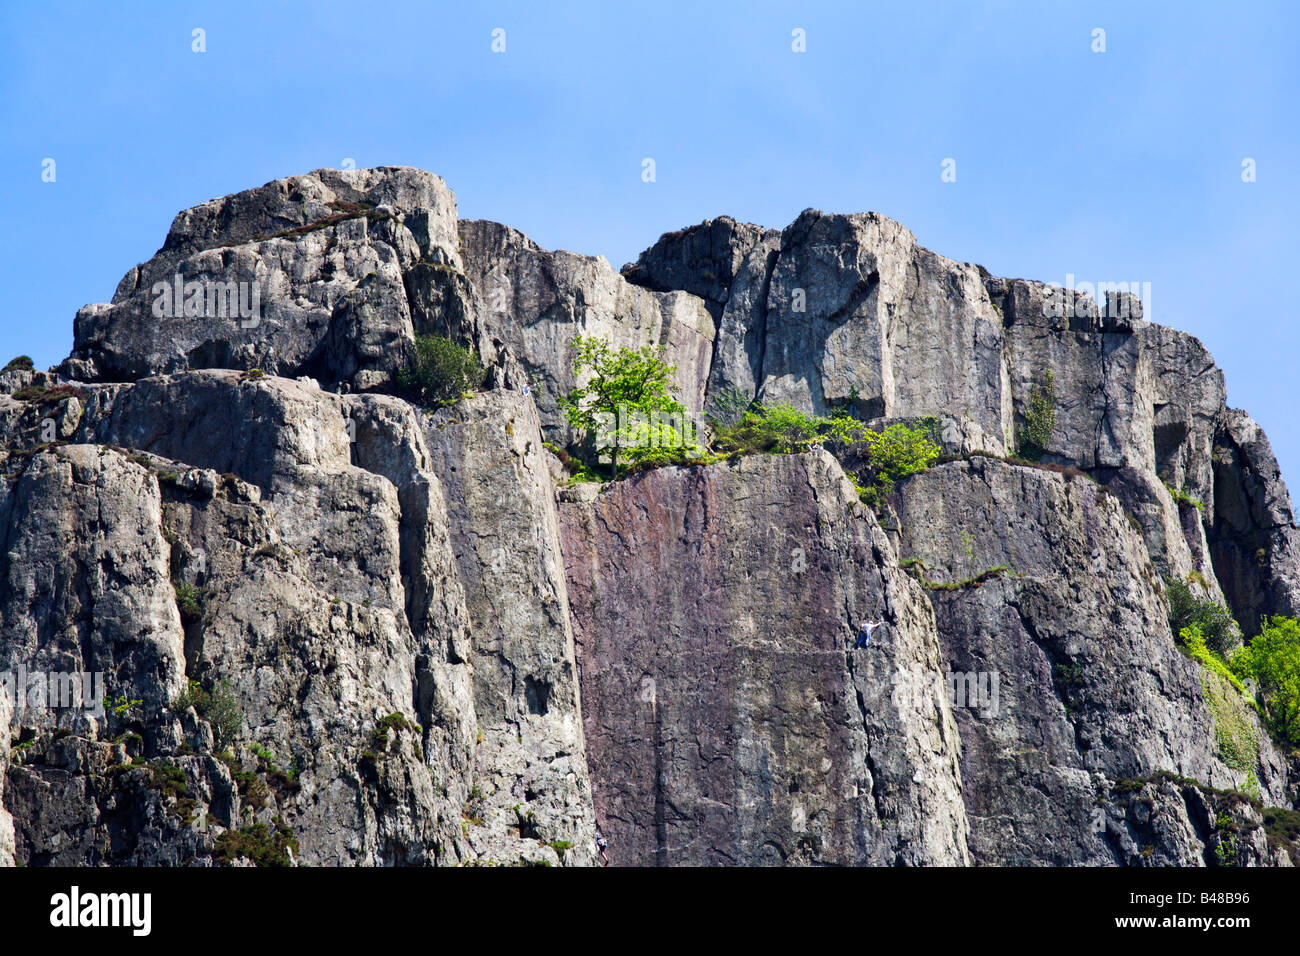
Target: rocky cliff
337,628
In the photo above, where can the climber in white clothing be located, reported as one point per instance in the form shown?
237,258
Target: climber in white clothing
865,632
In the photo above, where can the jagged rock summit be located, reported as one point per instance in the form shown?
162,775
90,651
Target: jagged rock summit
337,628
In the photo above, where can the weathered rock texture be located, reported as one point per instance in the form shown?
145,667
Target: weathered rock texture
1092,689
728,719
429,652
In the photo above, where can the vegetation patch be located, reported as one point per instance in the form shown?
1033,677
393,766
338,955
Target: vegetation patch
440,373
48,395
1188,609
385,731
1234,732
258,843
1272,658
625,408
252,788
218,706
284,781
189,601
1183,498
1282,827
1040,419
972,582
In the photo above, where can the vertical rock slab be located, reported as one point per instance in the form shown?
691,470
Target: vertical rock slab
84,583
529,305
6,819
728,719
532,797
1254,539
1092,687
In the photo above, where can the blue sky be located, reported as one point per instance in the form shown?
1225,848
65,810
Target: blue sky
1123,165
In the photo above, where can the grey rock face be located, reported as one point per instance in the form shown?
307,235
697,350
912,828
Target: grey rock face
529,304
6,819
1254,540
331,604
728,719
704,260
1092,687
299,246
849,311
531,761
437,656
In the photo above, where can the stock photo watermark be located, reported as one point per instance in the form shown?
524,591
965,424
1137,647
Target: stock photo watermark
632,428
208,299
1065,302
972,690
38,693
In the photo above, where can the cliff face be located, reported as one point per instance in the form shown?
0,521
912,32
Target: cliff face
436,653
727,719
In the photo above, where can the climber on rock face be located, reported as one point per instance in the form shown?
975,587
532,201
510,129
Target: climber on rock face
602,845
865,632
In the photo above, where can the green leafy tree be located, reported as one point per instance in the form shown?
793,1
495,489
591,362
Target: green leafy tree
899,451
1189,609
1273,659
439,373
625,405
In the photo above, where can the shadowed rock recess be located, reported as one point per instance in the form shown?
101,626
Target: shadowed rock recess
337,628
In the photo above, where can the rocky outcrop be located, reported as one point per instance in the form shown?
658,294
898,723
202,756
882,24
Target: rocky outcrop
728,719
340,629
272,278
850,312
532,765
1253,537
529,304
6,819
374,731
1071,626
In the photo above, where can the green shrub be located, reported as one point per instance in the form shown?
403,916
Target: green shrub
1282,826
1193,641
1040,419
894,453
120,711
440,372
19,362
973,581
1183,498
189,601
1273,659
48,395
779,428
1214,621
258,844
252,788
219,707
900,451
